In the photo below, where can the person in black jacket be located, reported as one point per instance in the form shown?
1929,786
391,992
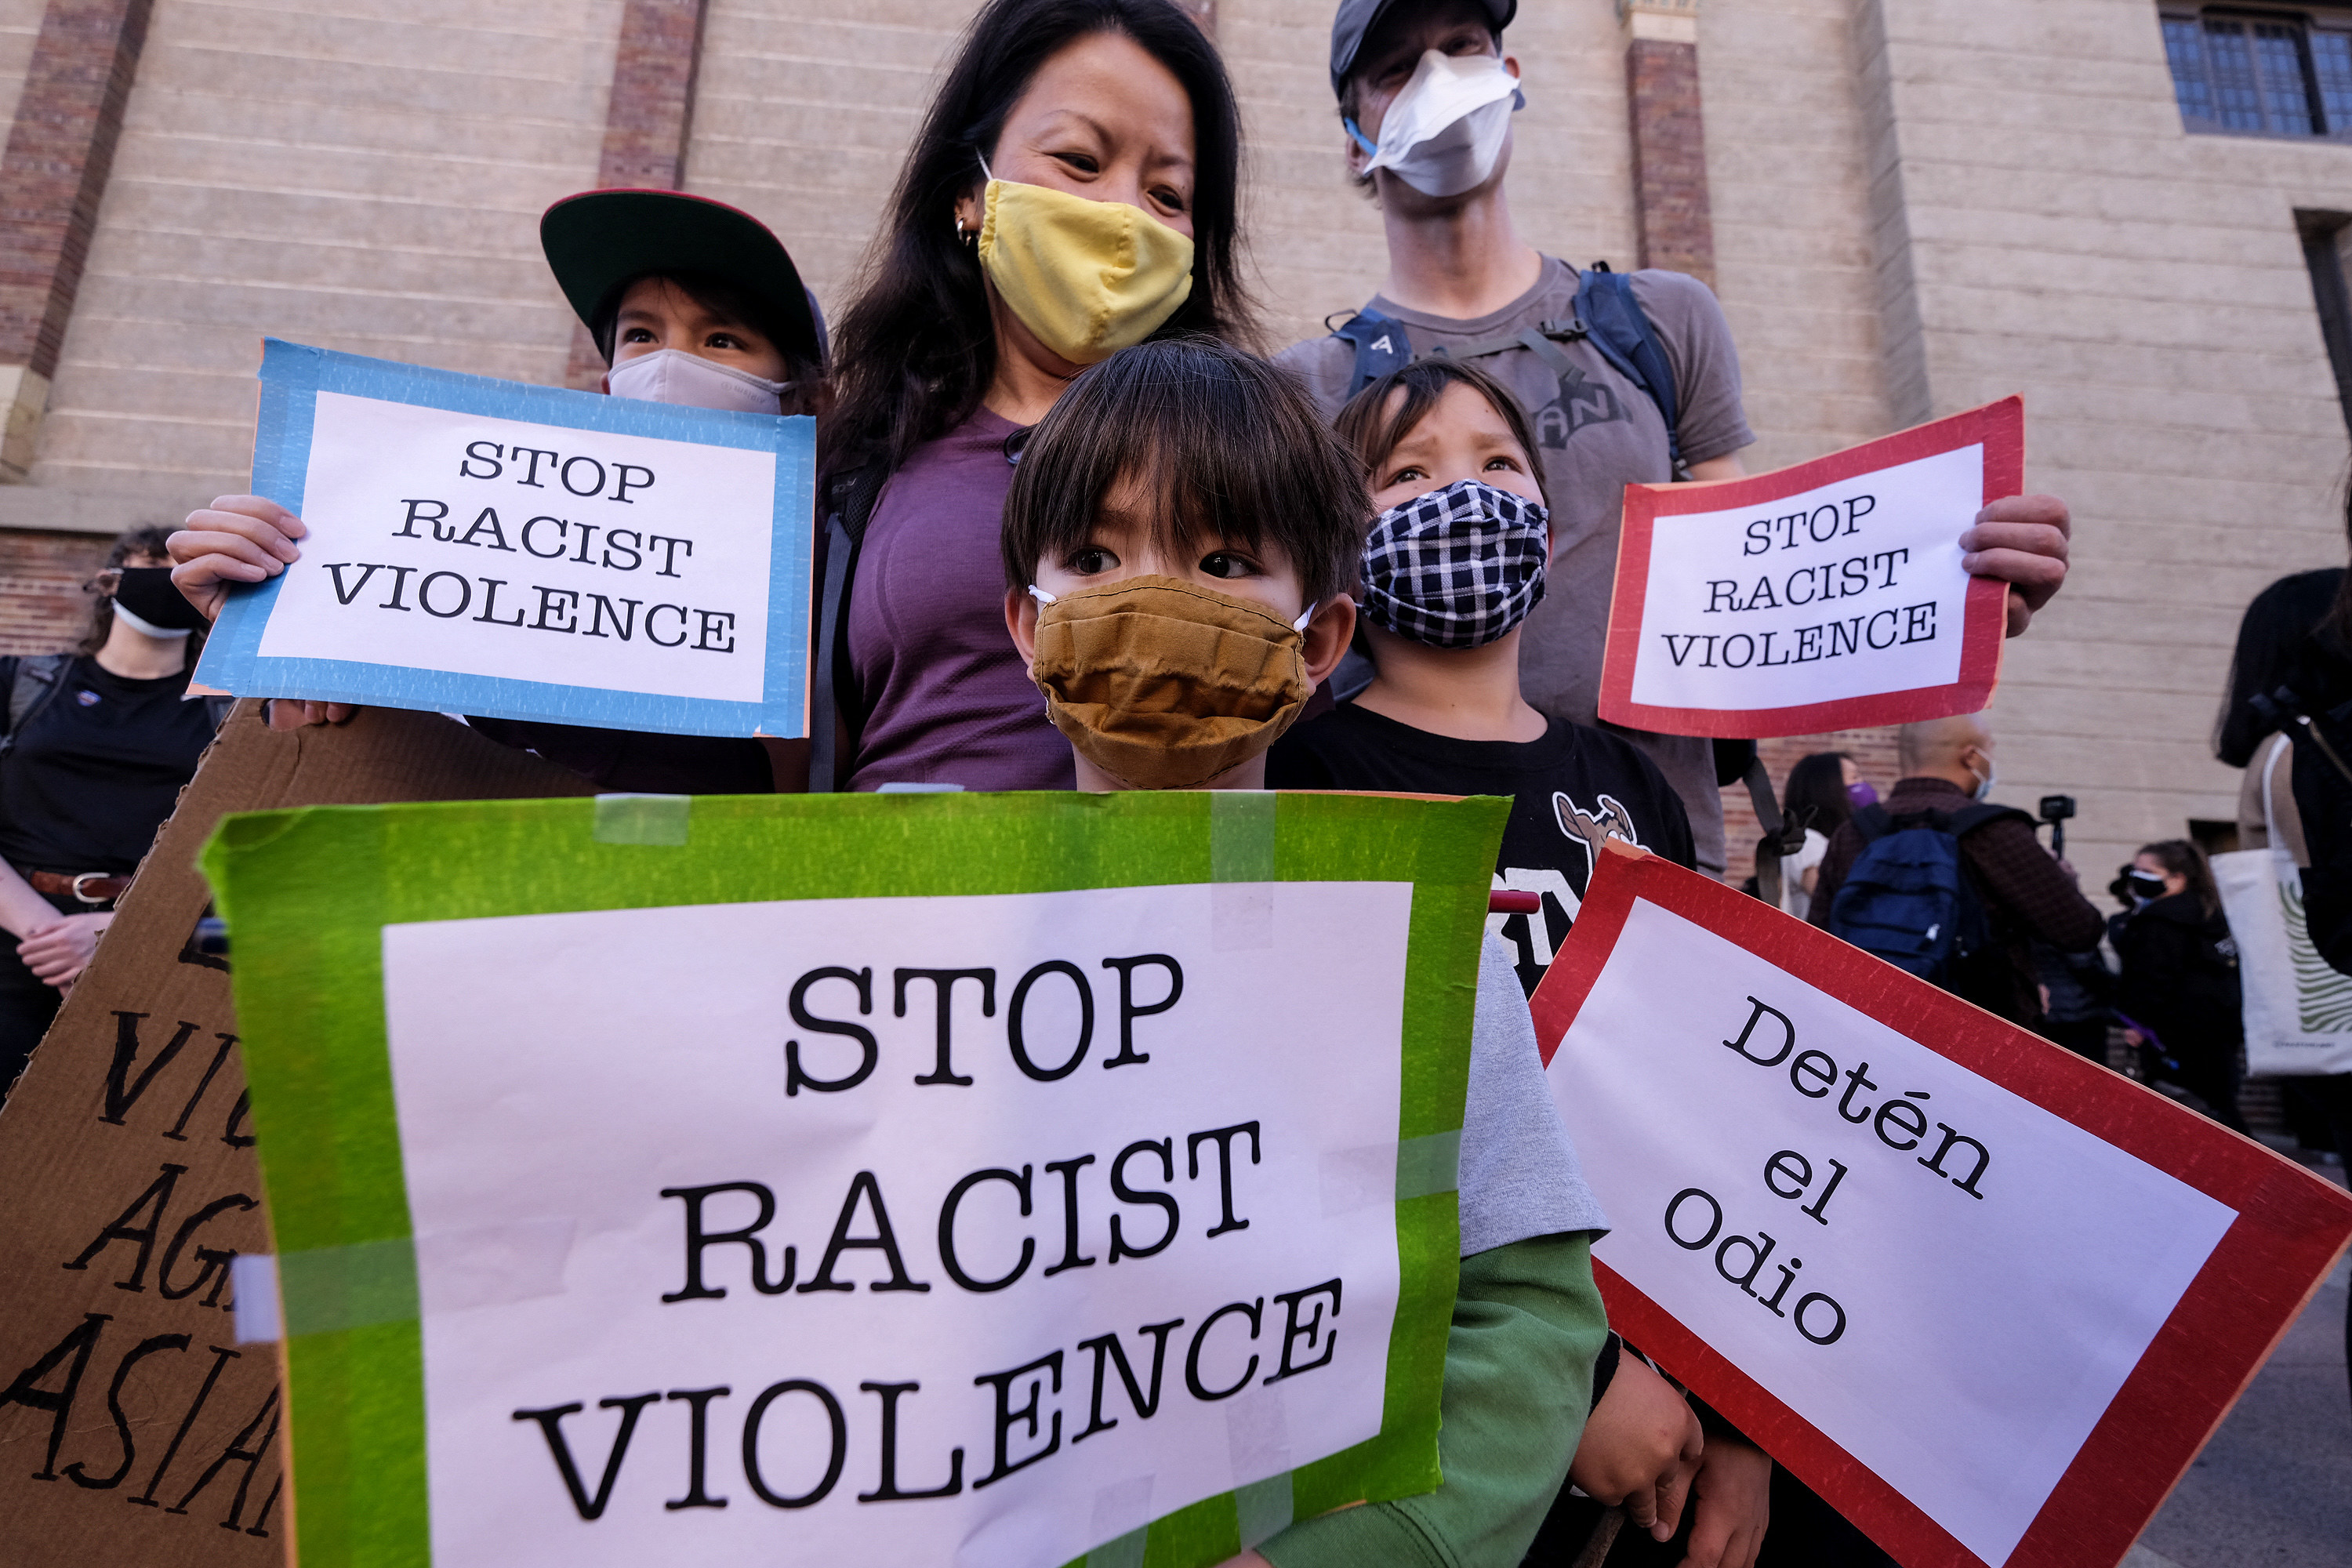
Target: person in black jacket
99,742
2179,994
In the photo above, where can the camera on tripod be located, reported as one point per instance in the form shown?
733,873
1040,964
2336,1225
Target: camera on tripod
2055,810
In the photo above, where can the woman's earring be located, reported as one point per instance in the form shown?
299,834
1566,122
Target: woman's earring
969,237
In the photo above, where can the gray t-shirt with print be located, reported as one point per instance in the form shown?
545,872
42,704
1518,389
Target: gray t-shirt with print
1518,1174
1598,433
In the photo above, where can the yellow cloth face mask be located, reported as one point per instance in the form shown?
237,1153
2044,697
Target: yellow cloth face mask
1088,278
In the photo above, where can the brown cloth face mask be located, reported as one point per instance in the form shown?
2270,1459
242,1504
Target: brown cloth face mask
1164,684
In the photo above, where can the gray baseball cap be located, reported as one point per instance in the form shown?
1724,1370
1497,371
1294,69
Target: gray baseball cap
1359,18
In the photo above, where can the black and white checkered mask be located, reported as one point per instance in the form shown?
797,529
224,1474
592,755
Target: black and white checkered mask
1457,567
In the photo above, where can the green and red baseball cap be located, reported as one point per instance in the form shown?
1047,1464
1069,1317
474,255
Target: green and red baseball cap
599,242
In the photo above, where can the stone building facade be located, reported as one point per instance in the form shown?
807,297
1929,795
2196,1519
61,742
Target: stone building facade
1908,208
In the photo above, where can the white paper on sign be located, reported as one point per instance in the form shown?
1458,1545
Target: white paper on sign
1850,590
528,552
1960,1346
556,1075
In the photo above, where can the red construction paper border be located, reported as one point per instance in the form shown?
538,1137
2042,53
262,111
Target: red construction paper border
2000,427
2289,1227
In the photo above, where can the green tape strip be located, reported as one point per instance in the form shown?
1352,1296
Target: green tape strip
1265,1508
1241,836
355,1287
1429,1163
643,819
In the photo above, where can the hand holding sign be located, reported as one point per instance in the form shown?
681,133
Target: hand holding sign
2023,540
516,551
1830,594
1986,1298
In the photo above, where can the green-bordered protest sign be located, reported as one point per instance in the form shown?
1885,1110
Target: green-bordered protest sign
1014,1180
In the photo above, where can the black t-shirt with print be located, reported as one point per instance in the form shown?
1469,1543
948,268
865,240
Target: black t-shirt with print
1569,790
98,770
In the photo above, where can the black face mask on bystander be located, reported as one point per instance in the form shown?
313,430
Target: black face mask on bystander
147,592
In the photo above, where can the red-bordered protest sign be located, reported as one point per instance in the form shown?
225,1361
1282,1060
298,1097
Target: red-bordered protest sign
1986,1298
1824,596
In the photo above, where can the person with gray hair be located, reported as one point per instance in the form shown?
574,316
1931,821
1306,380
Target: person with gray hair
2020,892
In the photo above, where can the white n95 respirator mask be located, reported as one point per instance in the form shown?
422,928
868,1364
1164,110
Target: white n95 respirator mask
1444,133
674,375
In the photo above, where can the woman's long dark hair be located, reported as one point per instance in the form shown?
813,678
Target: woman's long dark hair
1815,794
2276,625
2183,858
915,353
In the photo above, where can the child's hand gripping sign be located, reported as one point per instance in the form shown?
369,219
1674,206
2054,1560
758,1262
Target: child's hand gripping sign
1988,1299
1823,596
647,1188
522,551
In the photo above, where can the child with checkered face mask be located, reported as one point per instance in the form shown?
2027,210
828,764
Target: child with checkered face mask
1455,563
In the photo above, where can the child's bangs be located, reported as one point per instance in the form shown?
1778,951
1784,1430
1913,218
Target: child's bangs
1375,431
1198,446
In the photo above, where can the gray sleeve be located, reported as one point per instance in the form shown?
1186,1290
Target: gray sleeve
1322,366
1708,415
1519,1175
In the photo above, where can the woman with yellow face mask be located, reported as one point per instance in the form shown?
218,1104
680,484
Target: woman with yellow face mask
1072,191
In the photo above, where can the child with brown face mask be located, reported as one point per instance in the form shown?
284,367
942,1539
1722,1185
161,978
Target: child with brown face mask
1177,549
1178,541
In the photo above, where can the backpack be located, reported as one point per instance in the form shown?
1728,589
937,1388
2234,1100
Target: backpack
1606,315
1907,899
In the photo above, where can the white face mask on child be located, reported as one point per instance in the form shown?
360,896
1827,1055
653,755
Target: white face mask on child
674,375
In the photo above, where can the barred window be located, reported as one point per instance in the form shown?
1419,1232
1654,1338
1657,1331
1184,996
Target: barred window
2262,73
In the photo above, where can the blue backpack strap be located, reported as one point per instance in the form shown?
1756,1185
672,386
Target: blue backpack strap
1379,343
1615,325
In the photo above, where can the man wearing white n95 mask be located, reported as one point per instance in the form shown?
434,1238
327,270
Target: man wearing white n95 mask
1427,99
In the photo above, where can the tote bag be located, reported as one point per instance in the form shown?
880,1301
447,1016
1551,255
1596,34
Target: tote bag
2298,1011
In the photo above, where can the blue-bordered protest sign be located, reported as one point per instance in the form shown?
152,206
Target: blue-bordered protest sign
521,552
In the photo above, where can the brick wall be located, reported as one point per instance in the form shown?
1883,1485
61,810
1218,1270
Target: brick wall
364,176
42,606
1789,211
20,23
54,170
1669,141
645,122
2063,236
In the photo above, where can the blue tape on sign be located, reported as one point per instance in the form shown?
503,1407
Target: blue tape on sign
644,818
1265,1508
1429,1163
354,1287
293,376
1241,836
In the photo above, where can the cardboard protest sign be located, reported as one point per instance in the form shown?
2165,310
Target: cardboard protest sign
1987,1299
134,1427
1824,596
486,547
657,1179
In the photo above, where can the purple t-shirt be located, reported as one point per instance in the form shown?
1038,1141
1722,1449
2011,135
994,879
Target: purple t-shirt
947,696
